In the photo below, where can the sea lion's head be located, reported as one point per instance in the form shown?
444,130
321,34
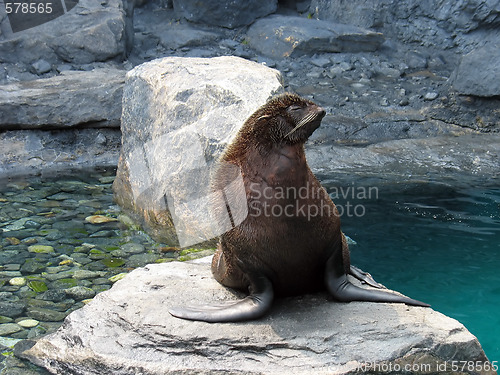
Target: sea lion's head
285,119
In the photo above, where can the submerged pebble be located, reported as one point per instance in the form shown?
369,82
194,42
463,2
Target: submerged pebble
28,323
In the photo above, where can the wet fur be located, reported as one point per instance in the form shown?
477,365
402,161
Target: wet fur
284,255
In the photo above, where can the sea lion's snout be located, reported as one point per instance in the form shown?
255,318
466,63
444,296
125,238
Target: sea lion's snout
321,113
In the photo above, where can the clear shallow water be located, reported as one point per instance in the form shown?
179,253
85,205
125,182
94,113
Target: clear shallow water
62,240
435,242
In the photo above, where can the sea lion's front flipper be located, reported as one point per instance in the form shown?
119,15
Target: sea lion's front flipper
251,307
343,290
364,277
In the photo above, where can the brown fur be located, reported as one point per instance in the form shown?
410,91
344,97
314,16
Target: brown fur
290,251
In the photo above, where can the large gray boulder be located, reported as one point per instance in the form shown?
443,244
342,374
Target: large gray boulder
225,13
127,330
287,36
72,98
479,72
178,116
92,31
444,24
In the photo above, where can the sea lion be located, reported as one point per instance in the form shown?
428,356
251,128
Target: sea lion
290,242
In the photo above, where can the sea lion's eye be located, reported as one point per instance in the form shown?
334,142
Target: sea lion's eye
294,107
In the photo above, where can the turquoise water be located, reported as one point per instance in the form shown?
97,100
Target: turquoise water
436,242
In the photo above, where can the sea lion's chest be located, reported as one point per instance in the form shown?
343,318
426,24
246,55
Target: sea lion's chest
282,187
291,221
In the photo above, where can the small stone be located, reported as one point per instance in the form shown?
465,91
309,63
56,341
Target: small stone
9,342
345,66
127,221
10,274
99,219
113,262
37,286
66,262
45,315
106,180
13,240
54,295
384,102
101,139
140,260
100,281
12,267
102,233
132,247
313,74
63,284
58,276
9,328
86,274
28,323
32,224
431,96
41,66
5,319
40,249
17,281
117,277
12,309
404,102
321,62
80,293
54,235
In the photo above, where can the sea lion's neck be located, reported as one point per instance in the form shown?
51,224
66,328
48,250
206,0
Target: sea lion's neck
281,164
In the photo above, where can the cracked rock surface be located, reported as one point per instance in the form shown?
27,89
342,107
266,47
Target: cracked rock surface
127,330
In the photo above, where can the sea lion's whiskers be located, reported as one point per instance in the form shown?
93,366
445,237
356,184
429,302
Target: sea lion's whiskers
302,122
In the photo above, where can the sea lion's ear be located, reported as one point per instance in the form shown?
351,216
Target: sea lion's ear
264,117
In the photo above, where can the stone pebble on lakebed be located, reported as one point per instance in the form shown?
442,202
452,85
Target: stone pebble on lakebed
62,241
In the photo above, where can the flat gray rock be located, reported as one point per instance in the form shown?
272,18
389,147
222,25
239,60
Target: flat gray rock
472,154
27,152
93,30
127,330
280,36
176,36
479,72
72,98
225,13
443,24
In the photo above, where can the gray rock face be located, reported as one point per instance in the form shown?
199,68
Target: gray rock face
433,23
128,330
178,115
474,154
73,98
281,36
225,13
92,31
479,72
27,152
177,36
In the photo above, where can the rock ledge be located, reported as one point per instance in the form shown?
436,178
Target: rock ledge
128,330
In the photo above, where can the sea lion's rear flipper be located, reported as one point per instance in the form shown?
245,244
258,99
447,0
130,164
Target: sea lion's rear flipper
343,290
364,277
251,307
